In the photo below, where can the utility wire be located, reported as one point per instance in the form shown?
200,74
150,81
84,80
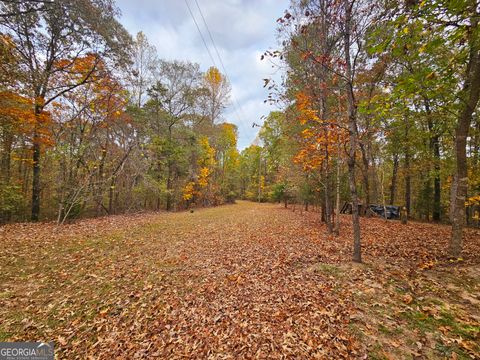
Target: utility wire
200,32
211,57
236,106
212,40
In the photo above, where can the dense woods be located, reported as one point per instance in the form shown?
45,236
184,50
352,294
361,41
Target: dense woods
374,107
379,106
136,224
95,123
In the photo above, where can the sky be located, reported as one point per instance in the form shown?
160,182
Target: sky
242,31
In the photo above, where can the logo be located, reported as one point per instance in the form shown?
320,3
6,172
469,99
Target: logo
26,351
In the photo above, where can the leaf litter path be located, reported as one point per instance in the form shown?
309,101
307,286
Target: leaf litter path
238,281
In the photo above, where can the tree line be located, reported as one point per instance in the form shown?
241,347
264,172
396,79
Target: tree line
378,104
93,122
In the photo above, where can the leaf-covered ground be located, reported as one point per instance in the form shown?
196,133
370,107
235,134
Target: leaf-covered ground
239,281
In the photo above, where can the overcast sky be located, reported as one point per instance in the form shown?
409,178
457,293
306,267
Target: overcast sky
242,30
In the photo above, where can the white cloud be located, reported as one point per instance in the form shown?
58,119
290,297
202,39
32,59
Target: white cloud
242,30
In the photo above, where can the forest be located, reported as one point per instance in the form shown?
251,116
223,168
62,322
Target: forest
374,105
94,123
380,106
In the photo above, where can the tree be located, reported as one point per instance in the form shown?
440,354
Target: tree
228,159
144,62
34,6
442,73
327,48
91,129
48,44
173,99
352,124
468,100
216,94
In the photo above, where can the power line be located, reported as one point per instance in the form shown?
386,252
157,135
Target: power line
211,38
200,32
211,57
236,105
215,46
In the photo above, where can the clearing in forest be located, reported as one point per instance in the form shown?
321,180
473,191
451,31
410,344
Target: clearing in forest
238,281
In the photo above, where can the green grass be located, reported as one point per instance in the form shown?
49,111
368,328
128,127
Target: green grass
427,323
376,352
447,351
4,335
327,269
389,331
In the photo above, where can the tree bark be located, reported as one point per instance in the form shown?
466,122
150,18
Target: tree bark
453,192
323,76
435,149
365,173
6,156
36,169
169,170
393,186
437,205
111,191
337,198
382,190
353,135
408,181
328,213
169,187
469,100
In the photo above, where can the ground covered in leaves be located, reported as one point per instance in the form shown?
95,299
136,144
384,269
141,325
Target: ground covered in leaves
239,281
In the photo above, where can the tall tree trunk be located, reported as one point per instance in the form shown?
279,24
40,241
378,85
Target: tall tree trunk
169,172
434,145
23,169
393,186
353,135
328,212
322,210
111,192
382,190
374,185
99,189
437,206
476,145
6,156
323,76
5,170
337,197
259,198
169,187
365,173
36,168
470,95
453,192
357,257
408,181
